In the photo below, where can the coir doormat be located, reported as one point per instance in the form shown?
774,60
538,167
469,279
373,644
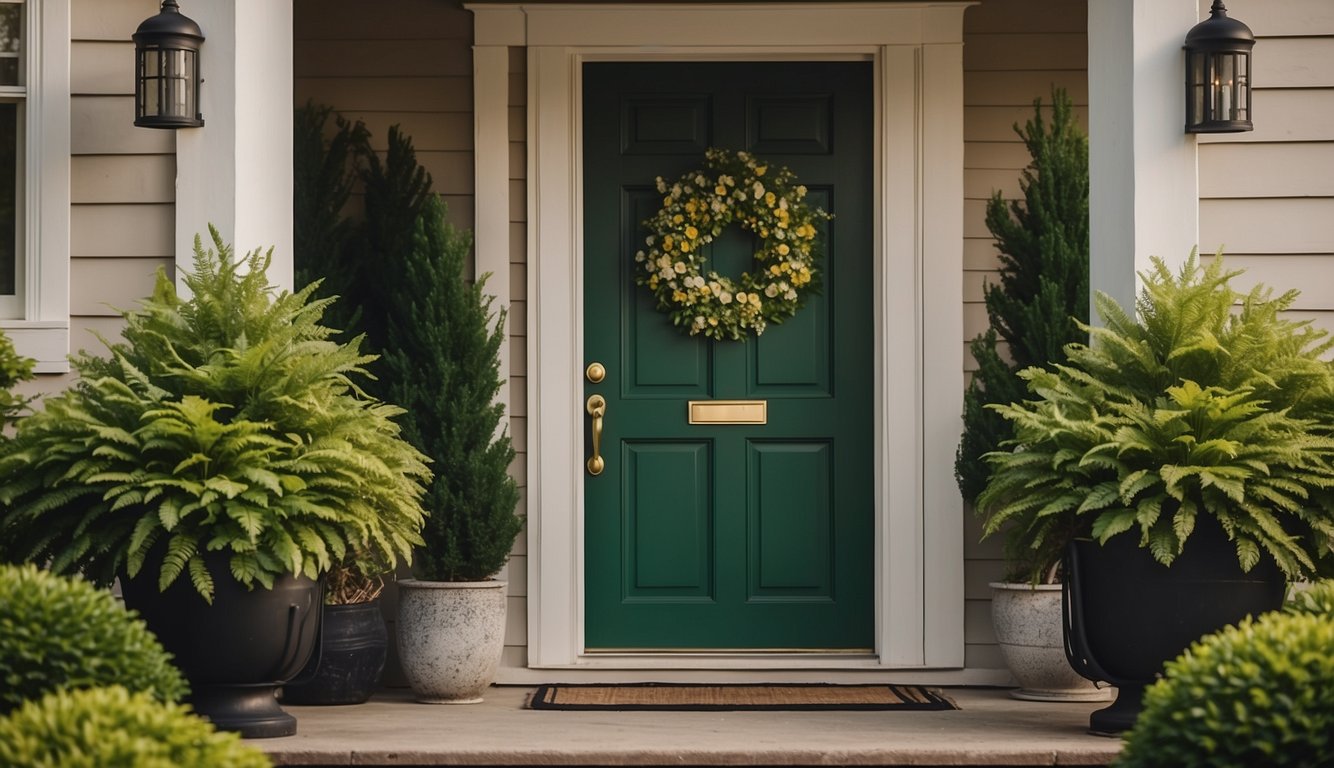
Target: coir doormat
717,698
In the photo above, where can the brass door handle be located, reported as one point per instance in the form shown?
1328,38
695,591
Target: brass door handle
597,408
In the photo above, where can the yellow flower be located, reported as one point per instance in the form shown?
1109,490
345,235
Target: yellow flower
692,233
713,321
685,246
783,250
678,218
667,243
678,296
755,300
775,270
760,170
720,190
769,199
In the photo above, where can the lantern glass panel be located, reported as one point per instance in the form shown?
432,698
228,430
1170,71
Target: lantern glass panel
1198,88
1224,87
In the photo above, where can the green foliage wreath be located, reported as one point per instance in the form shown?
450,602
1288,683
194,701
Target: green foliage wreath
765,200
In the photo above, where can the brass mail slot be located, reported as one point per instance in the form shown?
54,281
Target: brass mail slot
729,411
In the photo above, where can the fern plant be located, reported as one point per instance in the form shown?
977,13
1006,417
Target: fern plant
228,421
1211,403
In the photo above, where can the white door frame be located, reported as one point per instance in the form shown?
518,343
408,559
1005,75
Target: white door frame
916,51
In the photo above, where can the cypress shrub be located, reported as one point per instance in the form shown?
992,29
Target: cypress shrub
441,364
1042,297
326,169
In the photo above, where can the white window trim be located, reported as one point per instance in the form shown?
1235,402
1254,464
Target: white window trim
916,50
42,333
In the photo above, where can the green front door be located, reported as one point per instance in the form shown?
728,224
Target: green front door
726,536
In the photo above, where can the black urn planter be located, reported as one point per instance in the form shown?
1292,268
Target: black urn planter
237,651
1127,614
353,645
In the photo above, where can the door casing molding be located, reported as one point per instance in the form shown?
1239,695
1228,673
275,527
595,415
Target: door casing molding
916,51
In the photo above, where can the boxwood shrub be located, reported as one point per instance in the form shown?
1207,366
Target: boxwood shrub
113,728
58,632
1260,693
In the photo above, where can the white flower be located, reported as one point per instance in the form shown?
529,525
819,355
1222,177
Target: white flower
700,180
791,295
771,290
724,298
699,321
639,256
649,240
662,185
758,189
664,262
667,274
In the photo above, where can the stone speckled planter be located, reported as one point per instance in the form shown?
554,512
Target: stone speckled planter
1027,620
450,637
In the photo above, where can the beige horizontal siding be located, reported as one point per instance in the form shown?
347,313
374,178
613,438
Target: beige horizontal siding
122,231
1280,18
122,178
1292,169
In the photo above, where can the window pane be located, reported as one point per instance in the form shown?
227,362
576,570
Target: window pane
8,187
11,28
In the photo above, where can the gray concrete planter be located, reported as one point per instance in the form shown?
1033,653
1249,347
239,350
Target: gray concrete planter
1027,620
450,637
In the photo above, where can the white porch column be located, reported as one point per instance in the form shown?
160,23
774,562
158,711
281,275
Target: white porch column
236,171
1144,187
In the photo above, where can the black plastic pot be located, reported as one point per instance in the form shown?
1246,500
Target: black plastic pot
1127,614
236,652
353,646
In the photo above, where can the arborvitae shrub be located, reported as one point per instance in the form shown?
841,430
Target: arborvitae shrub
1044,281
1258,694
326,167
112,728
58,633
441,364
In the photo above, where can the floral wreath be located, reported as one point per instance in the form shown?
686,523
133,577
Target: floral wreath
764,199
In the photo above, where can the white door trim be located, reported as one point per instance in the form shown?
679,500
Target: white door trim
916,50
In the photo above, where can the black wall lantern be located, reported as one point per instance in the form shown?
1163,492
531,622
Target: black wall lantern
166,70
1218,74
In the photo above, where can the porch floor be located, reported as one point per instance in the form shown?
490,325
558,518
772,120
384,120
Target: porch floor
989,729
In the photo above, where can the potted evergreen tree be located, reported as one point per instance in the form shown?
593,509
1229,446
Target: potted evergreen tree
1043,241
220,459
1188,453
442,364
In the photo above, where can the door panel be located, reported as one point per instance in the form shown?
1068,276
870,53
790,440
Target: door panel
719,536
